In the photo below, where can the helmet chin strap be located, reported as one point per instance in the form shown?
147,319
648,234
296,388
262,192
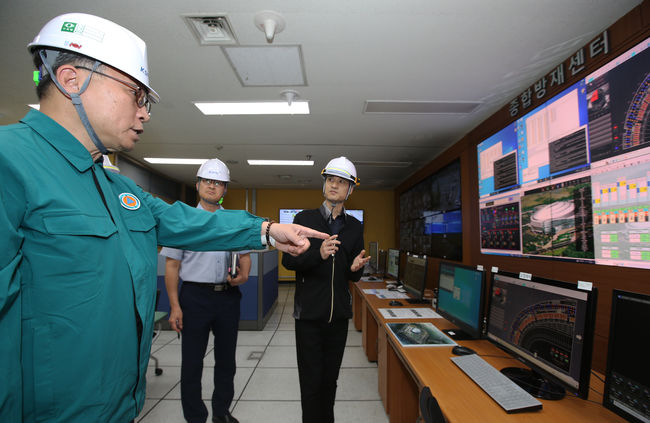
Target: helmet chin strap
76,99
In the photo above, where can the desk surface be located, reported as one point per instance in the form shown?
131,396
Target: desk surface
460,398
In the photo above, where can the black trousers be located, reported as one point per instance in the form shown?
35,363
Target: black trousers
205,311
320,347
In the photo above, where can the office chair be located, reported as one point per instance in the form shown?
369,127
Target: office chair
429,408
157,321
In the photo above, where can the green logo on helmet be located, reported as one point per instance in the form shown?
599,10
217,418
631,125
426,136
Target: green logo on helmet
68,27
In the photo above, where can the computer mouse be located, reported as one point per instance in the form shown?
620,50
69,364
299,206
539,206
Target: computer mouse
394,303
460,350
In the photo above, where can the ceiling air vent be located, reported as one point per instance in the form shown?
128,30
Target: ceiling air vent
211,29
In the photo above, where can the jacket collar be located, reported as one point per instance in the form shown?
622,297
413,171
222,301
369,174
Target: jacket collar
326,212
59,138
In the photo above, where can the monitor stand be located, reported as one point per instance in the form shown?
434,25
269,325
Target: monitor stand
534,383
457,334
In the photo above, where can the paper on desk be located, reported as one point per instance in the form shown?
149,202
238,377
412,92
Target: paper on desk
385,293
409,313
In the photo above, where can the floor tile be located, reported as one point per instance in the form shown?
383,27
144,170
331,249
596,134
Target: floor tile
241,356
254,337
284,337
357,385
159,386
279,356
356,357
269,411
359,412
354,339
168,355
269,384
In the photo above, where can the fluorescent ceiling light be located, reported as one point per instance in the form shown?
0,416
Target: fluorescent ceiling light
35,106
155,160
281,162
254,108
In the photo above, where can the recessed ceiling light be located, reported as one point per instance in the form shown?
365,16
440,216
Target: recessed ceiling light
253,108
281,162
155,160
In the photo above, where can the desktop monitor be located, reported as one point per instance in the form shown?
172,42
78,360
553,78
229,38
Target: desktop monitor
392,268
461,296
627,380
373,252
549,326
415,275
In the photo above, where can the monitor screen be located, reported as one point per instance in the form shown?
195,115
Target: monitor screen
373,252
547,324
461,299
392,270
570,179
415,275
627,380
430,215
287,215
356,213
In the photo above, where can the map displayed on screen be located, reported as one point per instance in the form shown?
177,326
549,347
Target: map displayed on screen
570,179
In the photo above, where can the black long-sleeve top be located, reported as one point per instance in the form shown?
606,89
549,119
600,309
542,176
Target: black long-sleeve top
322,286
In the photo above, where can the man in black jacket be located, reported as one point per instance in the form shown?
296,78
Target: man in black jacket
323,303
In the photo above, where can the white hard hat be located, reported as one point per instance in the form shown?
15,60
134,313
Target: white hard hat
343,168
214,169
99,39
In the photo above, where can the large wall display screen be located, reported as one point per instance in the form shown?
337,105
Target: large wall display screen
430,215
570,179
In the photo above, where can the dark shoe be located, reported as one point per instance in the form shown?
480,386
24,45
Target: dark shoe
227,418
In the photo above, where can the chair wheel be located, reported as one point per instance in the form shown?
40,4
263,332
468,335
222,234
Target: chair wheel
159,372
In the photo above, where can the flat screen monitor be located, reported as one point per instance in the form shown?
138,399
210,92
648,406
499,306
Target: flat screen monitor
373,252
415,275
287,215
392,269
569,179
461,296
549,326
627,380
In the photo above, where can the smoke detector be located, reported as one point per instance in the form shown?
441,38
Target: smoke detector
270,23
211,29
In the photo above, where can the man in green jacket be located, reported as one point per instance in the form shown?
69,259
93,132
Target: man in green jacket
79,244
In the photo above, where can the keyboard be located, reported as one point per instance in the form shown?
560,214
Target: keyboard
417,301
504,391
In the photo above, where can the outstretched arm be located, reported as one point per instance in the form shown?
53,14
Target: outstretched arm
292,238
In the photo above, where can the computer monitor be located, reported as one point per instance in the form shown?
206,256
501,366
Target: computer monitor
392,268
373,252
549,326
415,275
627,380
461,296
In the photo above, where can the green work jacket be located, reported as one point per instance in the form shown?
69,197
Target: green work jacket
78,250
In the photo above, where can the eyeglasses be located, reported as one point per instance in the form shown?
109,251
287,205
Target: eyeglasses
213,182
141,97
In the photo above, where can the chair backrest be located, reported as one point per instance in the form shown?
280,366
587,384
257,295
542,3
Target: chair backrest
429,407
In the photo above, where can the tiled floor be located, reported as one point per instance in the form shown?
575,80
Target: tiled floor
266,389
